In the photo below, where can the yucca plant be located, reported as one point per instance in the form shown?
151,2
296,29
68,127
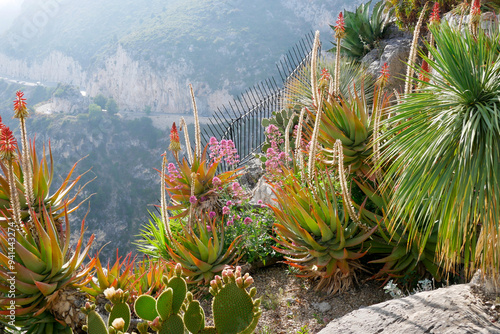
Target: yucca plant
442,152
46,272
201,249
402,260
316,235
362,30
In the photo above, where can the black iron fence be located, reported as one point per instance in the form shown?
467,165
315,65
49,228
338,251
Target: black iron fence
240,121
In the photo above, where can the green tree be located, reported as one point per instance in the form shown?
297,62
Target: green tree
101,101
112,106
147,110
95,111
442,149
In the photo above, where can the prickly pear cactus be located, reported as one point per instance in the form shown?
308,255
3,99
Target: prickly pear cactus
176,311
233,307
96,325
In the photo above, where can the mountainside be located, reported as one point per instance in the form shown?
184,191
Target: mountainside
144,53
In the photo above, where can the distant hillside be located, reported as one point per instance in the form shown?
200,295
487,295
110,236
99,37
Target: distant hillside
146,51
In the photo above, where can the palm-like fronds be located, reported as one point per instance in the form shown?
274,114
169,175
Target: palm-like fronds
352,77
443,151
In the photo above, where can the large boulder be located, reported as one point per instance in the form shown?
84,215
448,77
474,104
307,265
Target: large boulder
455,310
393,50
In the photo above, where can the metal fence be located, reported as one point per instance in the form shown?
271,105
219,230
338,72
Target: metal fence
240,121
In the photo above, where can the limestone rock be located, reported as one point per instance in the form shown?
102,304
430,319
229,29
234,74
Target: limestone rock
253,172
455,309
394,51
262,192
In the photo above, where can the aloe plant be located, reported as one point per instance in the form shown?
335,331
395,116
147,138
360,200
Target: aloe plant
362,30
316,236
46,272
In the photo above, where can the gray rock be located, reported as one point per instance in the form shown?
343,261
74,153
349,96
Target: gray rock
454,309
253,172
262,192
322,307
394,51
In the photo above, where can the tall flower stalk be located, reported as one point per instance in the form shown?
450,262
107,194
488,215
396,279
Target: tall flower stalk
412,58
8,152
314,141
314,69
184,128
339,35
21,112
475,17
197,132
299,155
163,201
344,187
433,21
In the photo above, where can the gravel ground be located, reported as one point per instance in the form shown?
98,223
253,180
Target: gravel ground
290,304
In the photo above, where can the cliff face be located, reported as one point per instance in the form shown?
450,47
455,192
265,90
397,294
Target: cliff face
143,53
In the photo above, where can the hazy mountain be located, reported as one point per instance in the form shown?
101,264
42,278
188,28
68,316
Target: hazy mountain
144,52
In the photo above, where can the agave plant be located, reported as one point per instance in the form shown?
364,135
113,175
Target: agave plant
201,250
442,152
362,31
316,236
196,186
46,272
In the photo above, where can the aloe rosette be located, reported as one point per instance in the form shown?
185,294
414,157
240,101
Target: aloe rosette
402,258
200,250
351,120
197,179
315,236
45,273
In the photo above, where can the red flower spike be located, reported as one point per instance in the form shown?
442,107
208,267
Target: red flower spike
8,144
424,72
20,109
325,75
384,75
476,8
435,14
340,26
175,144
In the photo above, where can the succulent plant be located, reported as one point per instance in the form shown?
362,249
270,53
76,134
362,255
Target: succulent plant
200,249
175,310
119,314
192,185
46,272
315,236
363,31
401,257
352,122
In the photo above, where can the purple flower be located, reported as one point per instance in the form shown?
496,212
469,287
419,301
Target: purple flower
213,141
229,203
212,215
209,228
192,199
247,220
259,201
225,210
230,222
216,181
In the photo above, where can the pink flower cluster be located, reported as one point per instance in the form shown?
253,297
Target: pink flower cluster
275,157
173,173
237,190
225,149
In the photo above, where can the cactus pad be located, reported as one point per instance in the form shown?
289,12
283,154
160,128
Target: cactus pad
120,310
164,303
95,323
145,307
173,325
179,288
194,317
